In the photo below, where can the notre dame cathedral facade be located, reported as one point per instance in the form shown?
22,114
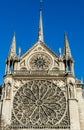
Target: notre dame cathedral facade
40,90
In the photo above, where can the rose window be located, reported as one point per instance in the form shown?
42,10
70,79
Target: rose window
39,103
40,61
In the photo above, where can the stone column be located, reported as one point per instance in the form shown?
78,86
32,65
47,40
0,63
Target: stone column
74,115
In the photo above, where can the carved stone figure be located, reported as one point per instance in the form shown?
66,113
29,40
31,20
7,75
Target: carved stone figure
8,91
71,90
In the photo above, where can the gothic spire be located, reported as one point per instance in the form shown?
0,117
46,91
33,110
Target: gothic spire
67,51
12,51
40,32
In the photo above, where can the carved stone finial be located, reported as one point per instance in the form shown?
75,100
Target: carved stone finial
19,51
82,80
60,52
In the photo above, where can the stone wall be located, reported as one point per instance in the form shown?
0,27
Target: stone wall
81,107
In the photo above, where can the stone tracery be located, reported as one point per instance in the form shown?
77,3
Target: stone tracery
39,103
40,61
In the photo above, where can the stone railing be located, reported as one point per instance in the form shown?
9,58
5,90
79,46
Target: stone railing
38,72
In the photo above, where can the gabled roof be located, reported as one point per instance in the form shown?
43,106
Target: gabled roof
43,45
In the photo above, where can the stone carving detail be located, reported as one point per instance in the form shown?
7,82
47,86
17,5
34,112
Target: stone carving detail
39,104
40,61
19,83
71,90
3,92
8,91
61,84
4,126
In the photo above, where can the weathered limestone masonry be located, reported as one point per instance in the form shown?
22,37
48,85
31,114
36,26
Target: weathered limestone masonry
40,90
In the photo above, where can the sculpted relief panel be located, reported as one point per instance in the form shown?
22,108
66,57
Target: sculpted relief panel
39,104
